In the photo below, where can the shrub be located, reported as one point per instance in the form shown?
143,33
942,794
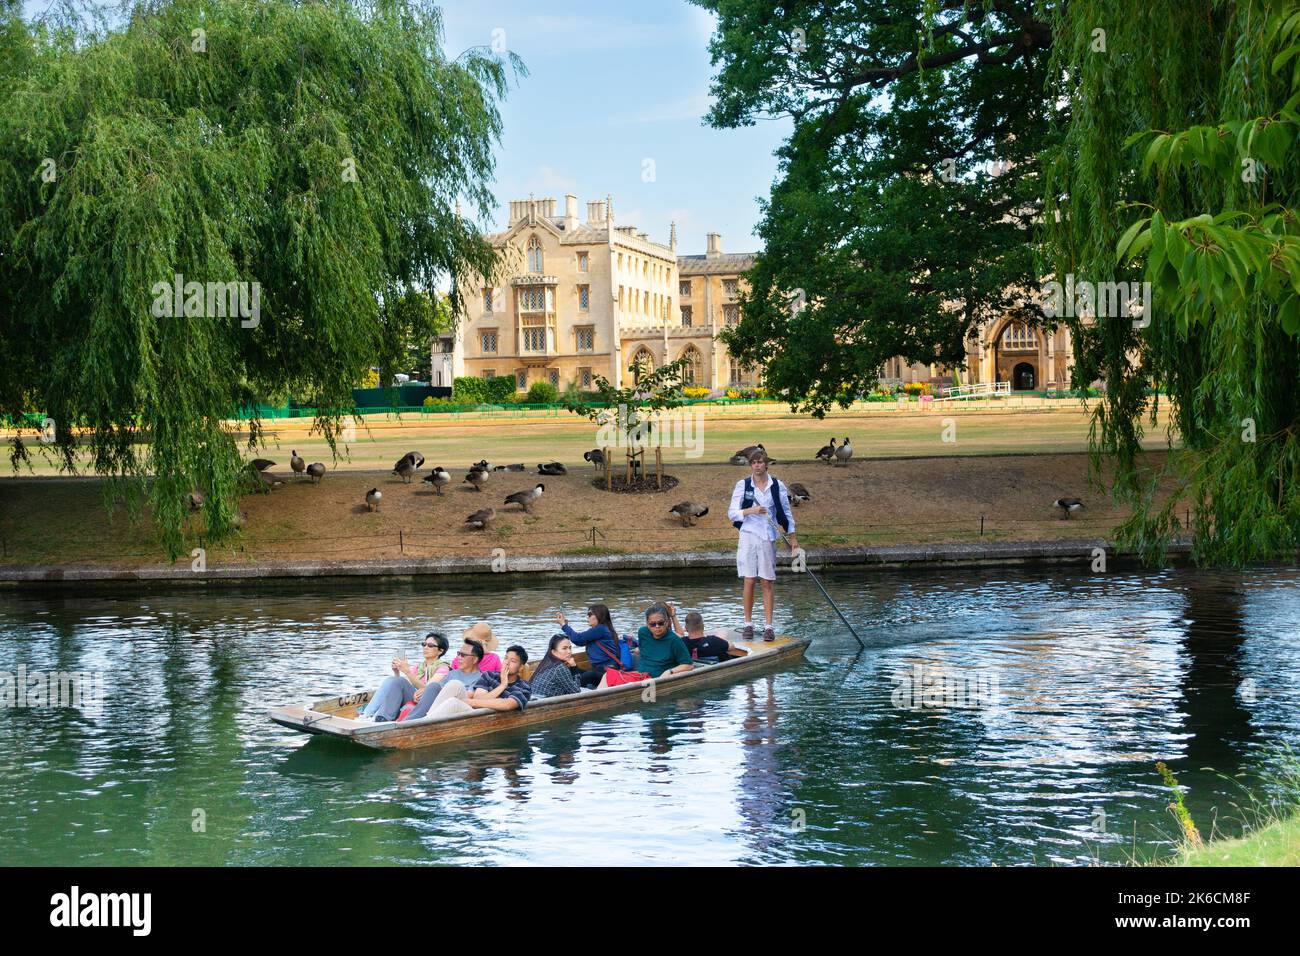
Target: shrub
695,391
500,389
543,393
469,390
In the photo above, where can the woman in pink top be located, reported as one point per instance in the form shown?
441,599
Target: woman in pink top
408,682
482,632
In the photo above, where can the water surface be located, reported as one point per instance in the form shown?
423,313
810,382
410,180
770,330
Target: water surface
1097,677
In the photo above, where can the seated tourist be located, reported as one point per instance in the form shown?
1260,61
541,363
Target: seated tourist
468,670
662,649
599,639
482,632
504,691
554,675
701,644
408,683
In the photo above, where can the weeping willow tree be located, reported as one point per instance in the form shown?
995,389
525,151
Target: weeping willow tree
308,155
1178,169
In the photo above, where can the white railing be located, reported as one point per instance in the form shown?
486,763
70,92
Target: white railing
982,390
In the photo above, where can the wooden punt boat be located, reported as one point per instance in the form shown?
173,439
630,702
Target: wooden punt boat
334,716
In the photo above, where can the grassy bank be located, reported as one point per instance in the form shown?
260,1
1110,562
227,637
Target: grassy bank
1277,844
877,431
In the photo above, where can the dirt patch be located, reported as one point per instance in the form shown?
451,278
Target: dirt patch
917,501
646,485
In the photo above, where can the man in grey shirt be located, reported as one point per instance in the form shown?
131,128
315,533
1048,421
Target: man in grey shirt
467,672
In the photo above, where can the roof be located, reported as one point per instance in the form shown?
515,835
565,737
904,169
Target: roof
728,263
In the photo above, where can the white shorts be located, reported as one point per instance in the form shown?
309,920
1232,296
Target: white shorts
755,557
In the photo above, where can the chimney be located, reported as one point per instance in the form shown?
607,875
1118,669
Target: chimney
570,212
518,209
715,245
672,237
596,213
643,236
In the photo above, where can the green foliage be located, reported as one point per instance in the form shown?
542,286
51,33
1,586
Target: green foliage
469,389
1200,201
227,161
886,215
632,408
411,320
501,389
543,393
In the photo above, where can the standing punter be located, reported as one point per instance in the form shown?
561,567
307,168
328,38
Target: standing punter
751,502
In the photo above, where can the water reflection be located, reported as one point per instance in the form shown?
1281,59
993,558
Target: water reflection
1098,677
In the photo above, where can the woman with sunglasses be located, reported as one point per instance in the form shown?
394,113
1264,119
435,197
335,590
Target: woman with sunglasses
600,639
662,649
408,682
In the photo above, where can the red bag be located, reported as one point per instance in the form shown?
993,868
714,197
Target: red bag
614,678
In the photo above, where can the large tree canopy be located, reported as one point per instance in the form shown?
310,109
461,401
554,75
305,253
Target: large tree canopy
1179,157
907,189
317,149
1156,137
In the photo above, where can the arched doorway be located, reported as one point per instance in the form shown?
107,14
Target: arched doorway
1024,377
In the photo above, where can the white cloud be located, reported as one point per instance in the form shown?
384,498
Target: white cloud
691,107
548,181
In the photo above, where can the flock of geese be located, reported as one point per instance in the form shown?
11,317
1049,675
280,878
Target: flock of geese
409,465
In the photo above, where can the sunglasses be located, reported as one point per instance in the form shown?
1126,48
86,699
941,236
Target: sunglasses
432,644
657,623
463,654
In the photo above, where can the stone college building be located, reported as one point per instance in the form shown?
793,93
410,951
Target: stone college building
587,297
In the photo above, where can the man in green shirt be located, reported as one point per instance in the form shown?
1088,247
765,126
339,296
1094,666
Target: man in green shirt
662,649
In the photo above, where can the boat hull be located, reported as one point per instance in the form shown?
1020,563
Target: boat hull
332,717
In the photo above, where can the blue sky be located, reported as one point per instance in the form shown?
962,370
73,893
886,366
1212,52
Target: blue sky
611,85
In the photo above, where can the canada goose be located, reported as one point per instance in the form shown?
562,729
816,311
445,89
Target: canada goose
518,467
596,457
479,465
553,468
844,452
477,478
439,478
240,519
316,471
1067,505
479,519
405,469
526,498
689,512
798,494
297,464
269,480
742,457
195,500
416,459
827,452
373,497
261,464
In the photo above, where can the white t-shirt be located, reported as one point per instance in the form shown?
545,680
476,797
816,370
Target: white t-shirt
759,524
